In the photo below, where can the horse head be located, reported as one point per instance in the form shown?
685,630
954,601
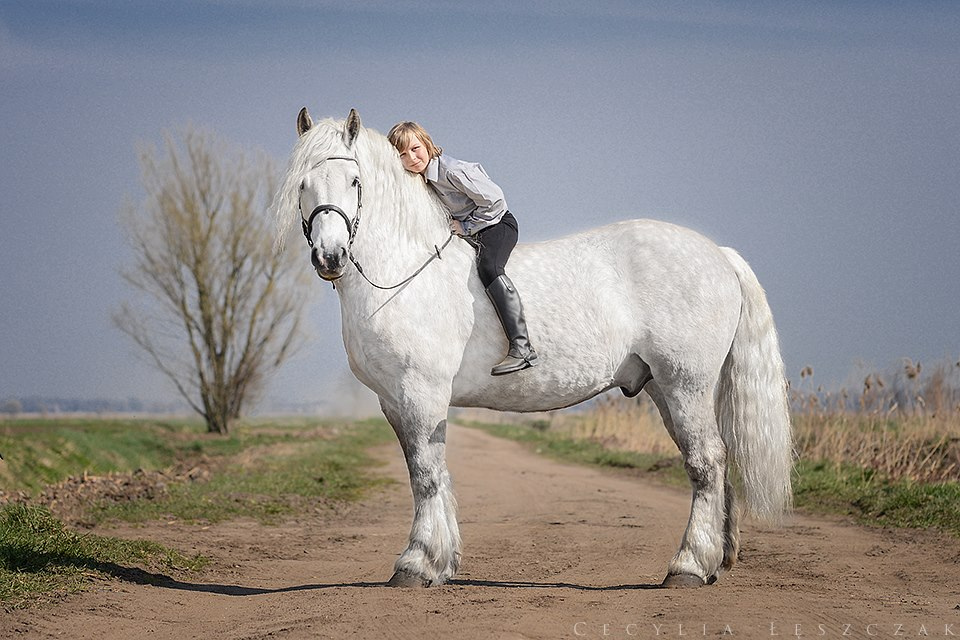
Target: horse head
406,224
330,195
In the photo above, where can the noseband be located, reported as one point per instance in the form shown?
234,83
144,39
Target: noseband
353,226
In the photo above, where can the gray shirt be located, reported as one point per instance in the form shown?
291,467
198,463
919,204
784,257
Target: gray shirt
467,192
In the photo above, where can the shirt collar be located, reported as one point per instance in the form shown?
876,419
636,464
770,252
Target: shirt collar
432,172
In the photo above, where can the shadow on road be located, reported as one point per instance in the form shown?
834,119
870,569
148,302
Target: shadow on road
140,576
510,584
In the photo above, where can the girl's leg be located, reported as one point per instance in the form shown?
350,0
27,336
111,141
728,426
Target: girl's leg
496,244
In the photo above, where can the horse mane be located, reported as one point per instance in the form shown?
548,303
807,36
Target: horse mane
392,196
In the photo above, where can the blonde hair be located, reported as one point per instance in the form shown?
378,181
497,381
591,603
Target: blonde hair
401,136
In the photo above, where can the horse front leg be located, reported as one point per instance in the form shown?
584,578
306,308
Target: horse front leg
432,555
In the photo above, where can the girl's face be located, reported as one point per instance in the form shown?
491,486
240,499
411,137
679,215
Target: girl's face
415,158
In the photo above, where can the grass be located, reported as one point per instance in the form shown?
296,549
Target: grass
888,453
873,499
292,473
264,470
41,559
916,448
42,452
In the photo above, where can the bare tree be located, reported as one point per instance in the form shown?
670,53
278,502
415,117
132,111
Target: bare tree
217,309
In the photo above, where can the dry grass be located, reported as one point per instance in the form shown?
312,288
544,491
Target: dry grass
617,422
904,425
902,448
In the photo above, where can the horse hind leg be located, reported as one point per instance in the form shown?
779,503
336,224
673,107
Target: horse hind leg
432,555
731,524
707,544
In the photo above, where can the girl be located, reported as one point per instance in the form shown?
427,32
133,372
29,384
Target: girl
479,211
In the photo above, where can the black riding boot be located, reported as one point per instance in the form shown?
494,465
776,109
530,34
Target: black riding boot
506,301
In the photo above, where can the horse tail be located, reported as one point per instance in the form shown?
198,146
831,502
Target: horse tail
752,407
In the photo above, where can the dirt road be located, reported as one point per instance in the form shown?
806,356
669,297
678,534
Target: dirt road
550,551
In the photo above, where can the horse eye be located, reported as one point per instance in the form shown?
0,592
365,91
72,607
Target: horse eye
356,181
303,185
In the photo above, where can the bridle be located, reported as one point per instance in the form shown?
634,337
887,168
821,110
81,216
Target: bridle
352,227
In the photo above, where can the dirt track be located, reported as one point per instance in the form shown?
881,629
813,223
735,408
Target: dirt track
550,551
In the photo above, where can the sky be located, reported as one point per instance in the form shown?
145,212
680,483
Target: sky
819,139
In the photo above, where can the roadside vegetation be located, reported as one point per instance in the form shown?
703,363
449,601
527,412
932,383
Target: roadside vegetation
886,454
42,559
60,476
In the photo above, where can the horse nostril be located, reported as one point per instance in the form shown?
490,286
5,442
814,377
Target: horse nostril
339,258
328,260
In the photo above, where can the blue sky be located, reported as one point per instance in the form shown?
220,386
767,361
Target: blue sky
820,139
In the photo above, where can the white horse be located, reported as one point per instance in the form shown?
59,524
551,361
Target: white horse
639,305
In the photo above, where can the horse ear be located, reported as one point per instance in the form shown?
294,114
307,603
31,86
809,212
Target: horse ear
352,128
304,121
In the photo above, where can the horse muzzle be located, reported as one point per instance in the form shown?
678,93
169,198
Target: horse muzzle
329,265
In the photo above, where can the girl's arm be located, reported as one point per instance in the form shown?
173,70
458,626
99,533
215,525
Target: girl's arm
474,182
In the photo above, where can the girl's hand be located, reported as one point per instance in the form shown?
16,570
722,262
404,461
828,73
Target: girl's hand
456,227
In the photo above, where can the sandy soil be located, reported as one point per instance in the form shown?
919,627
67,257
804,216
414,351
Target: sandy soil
550,551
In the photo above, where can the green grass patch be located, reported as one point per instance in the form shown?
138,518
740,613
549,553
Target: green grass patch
41,452
41,559
283,474
872,499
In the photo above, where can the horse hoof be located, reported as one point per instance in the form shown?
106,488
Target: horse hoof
403,578
682,581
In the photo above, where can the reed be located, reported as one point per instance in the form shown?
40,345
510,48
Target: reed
903,424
